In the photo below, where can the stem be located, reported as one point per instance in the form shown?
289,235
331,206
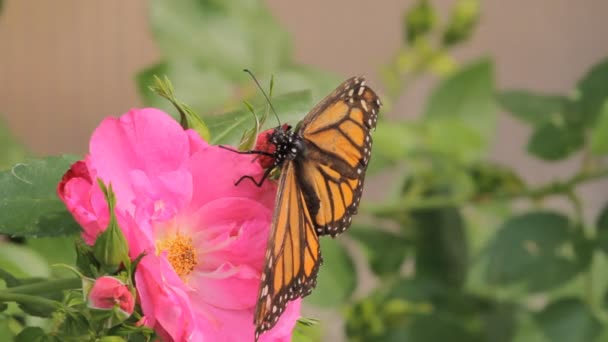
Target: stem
557,188
27,299
48,286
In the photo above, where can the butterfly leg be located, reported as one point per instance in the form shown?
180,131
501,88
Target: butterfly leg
258,184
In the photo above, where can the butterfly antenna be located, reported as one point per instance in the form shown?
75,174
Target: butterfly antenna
264,93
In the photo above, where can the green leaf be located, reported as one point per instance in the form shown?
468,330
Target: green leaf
11,151
29,205
56,250
227,36
599,133
535,109
385,250
387,150
537,249
441,245
568,320
555,141
228,128
188,118
337,278
419,20
467,97
5,328
203,90
602,229
8,278
306,331
462,21
593,90
22,262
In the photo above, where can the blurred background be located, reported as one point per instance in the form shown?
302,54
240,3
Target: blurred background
64,65
68,64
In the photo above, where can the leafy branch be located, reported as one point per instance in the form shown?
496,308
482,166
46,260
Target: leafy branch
554,188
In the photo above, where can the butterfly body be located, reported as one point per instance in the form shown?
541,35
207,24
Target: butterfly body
322,163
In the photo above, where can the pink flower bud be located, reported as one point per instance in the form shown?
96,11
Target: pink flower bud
108,293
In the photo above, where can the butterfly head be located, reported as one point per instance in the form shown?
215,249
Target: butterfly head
288,145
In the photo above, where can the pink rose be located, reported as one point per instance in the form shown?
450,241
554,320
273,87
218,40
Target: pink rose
108,293
204,237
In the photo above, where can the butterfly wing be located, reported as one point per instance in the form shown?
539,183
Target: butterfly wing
338,147
292,257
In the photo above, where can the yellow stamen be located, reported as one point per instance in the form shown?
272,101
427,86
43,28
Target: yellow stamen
180,252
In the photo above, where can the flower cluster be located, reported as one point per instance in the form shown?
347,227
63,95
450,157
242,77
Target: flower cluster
202,238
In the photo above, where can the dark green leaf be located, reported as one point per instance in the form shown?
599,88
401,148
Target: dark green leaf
384,250
31,334
593,92
467,98
535,109
11,152
337,278
568,320
533,248
228,128
555,141
29,205
599,133
441,245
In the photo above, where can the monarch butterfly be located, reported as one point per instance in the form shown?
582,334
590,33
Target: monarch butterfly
322,164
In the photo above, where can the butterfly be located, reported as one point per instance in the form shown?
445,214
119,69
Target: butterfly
322,165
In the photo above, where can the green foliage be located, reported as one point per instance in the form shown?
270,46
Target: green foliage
569,320
463,106
537,249
337,278
593,93
534,109
385,250
28,193
205,46
599,134
419,21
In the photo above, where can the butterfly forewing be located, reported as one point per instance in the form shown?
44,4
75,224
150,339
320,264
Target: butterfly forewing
318,192
338,145
292,255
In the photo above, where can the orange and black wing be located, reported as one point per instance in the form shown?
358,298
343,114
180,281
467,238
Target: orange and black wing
338,147
292,257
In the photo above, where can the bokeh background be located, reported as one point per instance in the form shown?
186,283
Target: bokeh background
67,64
64,65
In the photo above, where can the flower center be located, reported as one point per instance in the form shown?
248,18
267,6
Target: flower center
180,252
